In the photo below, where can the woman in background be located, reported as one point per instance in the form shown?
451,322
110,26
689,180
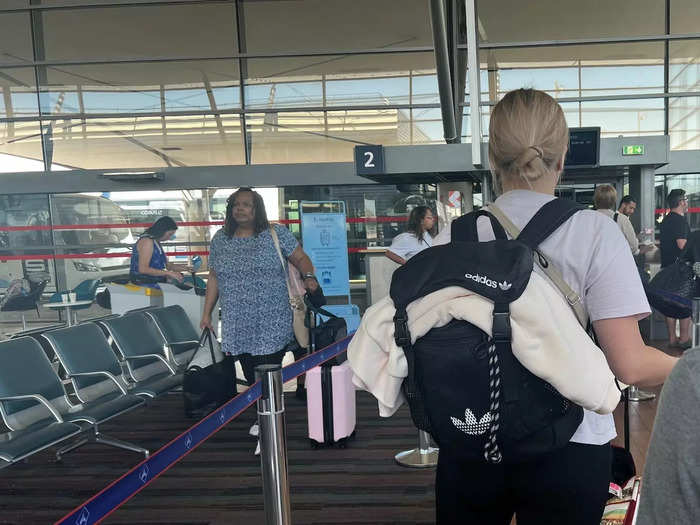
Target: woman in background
148,257
416,238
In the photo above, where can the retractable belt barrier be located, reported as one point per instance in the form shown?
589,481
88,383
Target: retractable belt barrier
123,489
677,298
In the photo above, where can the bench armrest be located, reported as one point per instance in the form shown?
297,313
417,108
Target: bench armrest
157,356
101,373
36,397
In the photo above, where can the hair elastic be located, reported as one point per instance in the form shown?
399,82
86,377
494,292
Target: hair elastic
538,150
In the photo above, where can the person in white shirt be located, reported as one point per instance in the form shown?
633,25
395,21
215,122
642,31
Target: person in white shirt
528,139
416,238
604,200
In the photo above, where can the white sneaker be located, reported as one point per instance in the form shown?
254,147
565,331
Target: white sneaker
257,448
254,430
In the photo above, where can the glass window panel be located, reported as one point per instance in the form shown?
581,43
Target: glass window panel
347,79
572,113
147,142
424,89
16,32
279,94
24,210
684,16
141,31
684,122
327,25
20,147
625,117
427,126
18,93
517,21
142,87
684,65
317,136
572,71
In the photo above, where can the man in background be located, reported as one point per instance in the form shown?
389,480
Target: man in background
674,236
627,206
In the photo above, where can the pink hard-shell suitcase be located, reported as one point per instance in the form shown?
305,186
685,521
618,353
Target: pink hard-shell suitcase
330,402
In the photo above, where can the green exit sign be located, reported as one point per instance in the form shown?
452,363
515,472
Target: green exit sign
636,149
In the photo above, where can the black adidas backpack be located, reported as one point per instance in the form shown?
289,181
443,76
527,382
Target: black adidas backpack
468,390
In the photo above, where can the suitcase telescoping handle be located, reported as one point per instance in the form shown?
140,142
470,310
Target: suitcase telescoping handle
207,335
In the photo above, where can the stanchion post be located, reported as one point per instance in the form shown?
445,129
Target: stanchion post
273,446
696,321
422,457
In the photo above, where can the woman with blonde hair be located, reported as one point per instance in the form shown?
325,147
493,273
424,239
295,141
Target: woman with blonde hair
528,139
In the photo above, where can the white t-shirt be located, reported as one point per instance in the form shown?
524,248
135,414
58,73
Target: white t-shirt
406,244
595,260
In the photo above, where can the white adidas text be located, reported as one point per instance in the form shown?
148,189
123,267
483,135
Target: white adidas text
481,279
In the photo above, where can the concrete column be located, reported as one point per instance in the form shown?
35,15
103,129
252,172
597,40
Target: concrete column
642,190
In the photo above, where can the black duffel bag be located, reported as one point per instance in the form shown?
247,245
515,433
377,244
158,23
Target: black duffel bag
672,289
324,333
206,388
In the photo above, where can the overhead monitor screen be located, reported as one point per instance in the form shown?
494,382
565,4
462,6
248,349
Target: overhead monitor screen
584,148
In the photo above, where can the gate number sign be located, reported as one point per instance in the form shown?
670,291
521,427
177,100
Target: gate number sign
369,160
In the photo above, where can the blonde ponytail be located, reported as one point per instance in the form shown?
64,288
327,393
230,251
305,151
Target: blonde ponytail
527,136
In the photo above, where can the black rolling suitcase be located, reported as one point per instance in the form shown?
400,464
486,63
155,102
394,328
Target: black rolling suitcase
206,388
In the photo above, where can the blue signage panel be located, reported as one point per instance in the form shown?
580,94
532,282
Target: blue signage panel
326,243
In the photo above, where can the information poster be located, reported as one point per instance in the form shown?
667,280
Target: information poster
326,243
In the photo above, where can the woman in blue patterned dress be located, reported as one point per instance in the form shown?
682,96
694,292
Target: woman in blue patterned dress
246,274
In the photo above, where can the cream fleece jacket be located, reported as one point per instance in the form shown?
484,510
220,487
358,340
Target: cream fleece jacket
546,339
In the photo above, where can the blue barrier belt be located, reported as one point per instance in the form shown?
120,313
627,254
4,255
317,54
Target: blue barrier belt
677,298
123,489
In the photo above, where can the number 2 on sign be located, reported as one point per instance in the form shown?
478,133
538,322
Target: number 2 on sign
369,163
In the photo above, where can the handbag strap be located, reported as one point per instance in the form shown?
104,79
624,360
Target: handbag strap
206,335
573,298
276,241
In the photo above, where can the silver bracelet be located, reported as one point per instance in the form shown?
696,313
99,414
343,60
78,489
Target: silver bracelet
309,276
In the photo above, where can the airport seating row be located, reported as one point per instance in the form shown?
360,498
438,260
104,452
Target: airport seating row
58,386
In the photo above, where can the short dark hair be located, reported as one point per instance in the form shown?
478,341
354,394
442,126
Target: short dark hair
675,197
627,199
260,222
158,228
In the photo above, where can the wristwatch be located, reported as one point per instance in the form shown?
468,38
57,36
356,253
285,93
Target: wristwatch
309,275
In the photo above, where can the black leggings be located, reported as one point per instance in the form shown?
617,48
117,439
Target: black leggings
566,486
249,362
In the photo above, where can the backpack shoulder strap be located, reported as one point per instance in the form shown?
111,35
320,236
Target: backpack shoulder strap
573,298
464,229
615,216
547,220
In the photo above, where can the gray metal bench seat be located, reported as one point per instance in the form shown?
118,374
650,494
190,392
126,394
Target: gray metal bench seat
25,371
19,444
94,370
181,338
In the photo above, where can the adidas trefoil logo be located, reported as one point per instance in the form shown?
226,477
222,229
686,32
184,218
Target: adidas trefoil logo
470,425
505,286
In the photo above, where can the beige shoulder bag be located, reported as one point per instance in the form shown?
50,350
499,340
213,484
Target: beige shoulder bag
296,300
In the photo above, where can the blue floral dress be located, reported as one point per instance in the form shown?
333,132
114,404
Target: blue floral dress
256,317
